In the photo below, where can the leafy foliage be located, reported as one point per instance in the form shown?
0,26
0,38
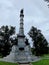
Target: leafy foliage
5,41
47,1
26,42
39,42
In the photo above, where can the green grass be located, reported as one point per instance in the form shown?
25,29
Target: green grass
45,56
7,63
44,60
41,62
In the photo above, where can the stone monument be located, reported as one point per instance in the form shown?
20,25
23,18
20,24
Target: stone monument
22,51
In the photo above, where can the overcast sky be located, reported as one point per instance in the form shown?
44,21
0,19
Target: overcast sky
36,14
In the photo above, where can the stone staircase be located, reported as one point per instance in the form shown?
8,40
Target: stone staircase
24,64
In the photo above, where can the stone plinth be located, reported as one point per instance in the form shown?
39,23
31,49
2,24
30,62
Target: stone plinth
24,64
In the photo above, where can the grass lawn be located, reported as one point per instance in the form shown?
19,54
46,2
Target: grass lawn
7,63
45,56
42,62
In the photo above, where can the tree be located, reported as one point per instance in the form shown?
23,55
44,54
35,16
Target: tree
5,41
14,41
26,42
47,1
39,42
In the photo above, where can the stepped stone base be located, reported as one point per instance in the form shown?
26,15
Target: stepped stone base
24,64
18,56
21,57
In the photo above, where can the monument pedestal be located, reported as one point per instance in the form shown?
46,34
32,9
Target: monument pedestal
24,55
24,64
18,56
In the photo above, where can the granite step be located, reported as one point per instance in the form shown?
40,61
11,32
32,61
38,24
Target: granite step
24,64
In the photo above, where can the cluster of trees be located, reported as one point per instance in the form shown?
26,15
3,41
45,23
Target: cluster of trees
47,1
6,41
39,42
